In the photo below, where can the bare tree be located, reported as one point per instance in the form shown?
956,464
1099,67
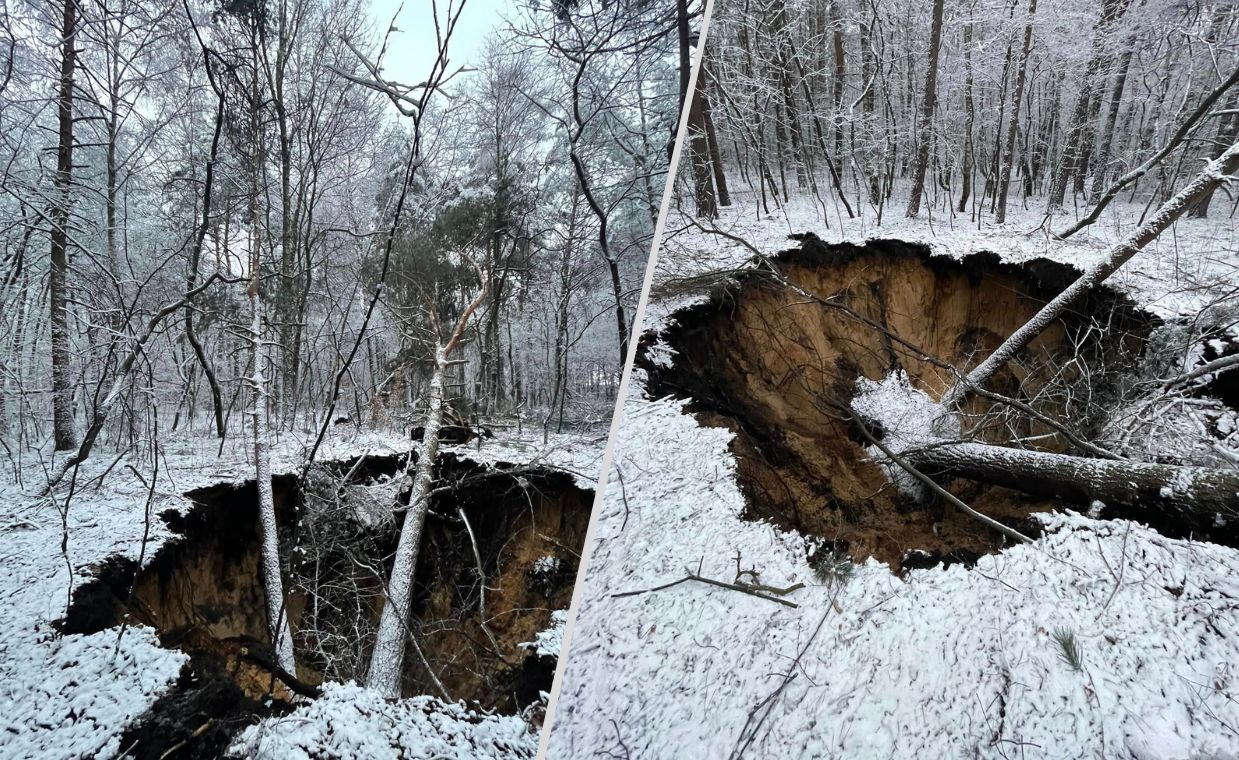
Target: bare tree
1186,127
387,659
1217,173
62,386
925,133
1008,155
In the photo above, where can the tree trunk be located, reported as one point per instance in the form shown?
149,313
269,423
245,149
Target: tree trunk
831,160
1185,128
995,158
1071,148
62,381
684,38
837,86
195,252
1075,149
785,72
699,156
387,659
716,157
273,585
707,119
1227,133
1008,156
925,133
969,119
1214,174
1106,141
1196,491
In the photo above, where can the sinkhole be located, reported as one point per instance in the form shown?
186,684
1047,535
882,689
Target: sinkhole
758,357
202,591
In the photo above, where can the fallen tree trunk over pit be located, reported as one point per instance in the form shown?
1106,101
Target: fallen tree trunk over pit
1215,174
1199,492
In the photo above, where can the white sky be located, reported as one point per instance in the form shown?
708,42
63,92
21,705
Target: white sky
412,50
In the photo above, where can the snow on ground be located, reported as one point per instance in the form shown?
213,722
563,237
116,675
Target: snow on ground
1176,274
943,663
909,417
73,696
579,455
349,722
548,642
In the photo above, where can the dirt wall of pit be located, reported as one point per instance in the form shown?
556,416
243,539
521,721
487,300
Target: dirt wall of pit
771,364
202,591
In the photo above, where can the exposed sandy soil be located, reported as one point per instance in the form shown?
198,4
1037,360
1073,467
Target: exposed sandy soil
203,594
516,522
773,366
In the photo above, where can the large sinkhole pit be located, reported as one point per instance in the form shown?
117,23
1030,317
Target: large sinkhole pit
204,595
759,358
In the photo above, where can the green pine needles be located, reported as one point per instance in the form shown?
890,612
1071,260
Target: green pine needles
1068,648
832,567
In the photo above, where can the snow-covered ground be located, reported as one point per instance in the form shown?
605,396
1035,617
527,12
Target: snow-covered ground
348,721
73,696
548,642
1176,274
941,663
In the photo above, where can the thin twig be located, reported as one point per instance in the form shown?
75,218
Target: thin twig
742,588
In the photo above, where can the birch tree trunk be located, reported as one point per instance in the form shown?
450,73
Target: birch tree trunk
260,386
277,616
387,658
1215,173
62,381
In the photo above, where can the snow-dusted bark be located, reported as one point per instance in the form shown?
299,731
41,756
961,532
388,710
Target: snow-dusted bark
926,436
387,659
277,616
1008,155
925,132
1200,491
1214,174
120,380
62,380
1215,367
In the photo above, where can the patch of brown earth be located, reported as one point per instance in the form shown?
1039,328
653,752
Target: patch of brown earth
203,591
772,365
517,521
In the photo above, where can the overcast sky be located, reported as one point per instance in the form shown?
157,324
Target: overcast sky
412,50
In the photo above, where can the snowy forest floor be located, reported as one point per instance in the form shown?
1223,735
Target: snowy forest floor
1177,274
73,696
954,662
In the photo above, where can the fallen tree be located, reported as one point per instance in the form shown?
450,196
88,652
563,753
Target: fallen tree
1186,127
1195,491
1215,174
387,658
921,442
1199,492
